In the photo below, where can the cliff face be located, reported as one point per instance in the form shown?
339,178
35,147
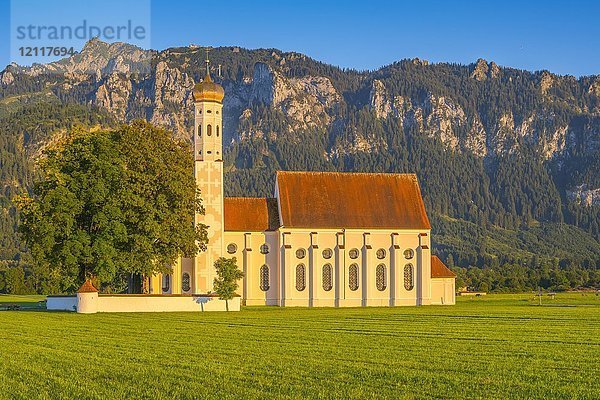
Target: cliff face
307,98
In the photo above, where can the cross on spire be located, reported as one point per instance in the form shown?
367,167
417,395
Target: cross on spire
207,61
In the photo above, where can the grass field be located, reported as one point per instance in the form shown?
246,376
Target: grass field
498,346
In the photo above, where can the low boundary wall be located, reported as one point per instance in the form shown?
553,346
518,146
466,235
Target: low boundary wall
141,303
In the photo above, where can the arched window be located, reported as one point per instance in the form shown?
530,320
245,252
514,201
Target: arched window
185,282
264,249
231,248
208,130
381,254
300,277
408,277
327,277
380,279
166,283
264,278
409,253
200,130
217,130
353,277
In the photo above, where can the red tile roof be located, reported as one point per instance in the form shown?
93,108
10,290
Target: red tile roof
87,287
351,200
439,269
249,214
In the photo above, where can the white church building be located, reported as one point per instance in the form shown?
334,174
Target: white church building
323,239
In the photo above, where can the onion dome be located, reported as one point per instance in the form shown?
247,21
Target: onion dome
207,90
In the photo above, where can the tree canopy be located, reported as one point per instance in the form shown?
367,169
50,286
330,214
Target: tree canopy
110,204
228,275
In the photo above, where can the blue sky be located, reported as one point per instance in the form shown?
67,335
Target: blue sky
563,37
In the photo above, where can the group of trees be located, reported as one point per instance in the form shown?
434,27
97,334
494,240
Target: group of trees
108,205
520,277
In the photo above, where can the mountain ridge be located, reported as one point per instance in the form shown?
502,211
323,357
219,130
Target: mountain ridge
492,145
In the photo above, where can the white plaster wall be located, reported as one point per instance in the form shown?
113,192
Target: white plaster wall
367,243
140,303
443,291
250,260
164,303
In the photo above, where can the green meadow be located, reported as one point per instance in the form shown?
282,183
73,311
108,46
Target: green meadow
496,346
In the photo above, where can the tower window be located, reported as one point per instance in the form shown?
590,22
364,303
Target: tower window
380,280
353,277
185,282
300,277
166,283
208,111
264,278
199,130
209,130
327,277
217,112
209,152
217,130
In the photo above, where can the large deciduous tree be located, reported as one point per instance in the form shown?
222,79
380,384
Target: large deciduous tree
110,204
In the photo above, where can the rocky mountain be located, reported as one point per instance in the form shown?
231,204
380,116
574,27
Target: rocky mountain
492,145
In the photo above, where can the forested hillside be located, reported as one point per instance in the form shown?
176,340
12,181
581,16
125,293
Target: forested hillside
507,159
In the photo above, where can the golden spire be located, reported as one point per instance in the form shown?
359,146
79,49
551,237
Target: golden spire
207,90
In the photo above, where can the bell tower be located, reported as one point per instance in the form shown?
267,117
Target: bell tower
208,171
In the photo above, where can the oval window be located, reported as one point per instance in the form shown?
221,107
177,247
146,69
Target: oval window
409,253
353,277
231,248
327,254
381,254
300,277
264,278
408,277
264,249
327,277
185,282
353,254
380,279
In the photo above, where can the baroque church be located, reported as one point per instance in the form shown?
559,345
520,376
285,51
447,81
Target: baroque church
324,238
